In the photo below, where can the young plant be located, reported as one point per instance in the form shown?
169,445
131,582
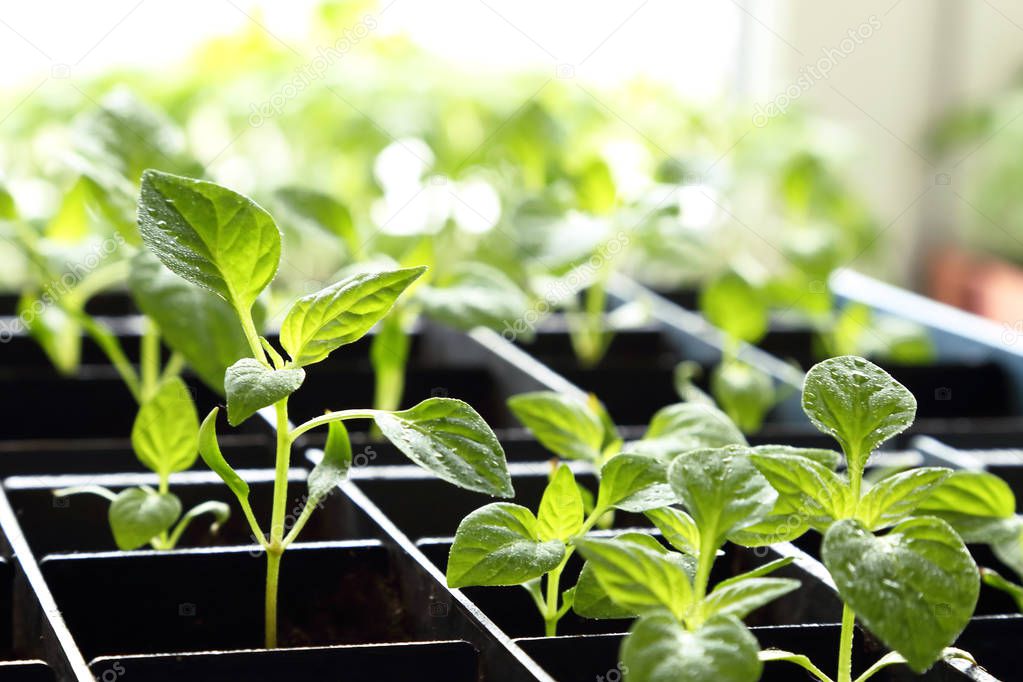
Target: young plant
505,544
225,242
982,509
686,630
918,571
739,310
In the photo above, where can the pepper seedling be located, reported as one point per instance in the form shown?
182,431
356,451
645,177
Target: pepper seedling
918,571
685,629
225,242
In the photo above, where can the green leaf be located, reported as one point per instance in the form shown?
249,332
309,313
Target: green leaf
498,545
56,332
324,212
678,528
858,403
477,295
914,588
388,354
745,393
743,597
824,457
333,468
634,483
994,579
683,427
897,496
638,578
209,235
209,449
138,515
192,321
759,571
447,437
8,209
165,435
591,600
250,386
561,509
786,522
817,493
660,649
683,376
563,425
722,490
733,305
971,493
344,312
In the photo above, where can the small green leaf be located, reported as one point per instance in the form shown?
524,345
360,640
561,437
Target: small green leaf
165,435
914,588
634,483
250,386
344,312
138,515
897,496
994,579
476,295
209,449
733,305
324,212
971,493
743,597
498,545
678,528
824,457
660,649
683,427
759,571
818,493
447,437
209,235
563,425
561,509
333,468
722,490
858,403
192,321
745,393
637,578
591,600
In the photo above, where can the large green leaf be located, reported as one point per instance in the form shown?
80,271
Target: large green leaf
858,403
822,456
678,528
914,588
344,312
250,386
895,497
971,493
137,515
561,508
192,321
591,600
498,545
477,295
165,435
817,493
447,437
209,235
563,425
722,490
660,649
638,578
634,483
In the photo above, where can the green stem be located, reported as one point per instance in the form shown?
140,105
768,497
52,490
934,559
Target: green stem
551,617
149,359
704,565
323,419
175,365
280,500
273,571
112,348
845,645
252,336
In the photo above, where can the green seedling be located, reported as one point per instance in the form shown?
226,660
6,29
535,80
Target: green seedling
225,242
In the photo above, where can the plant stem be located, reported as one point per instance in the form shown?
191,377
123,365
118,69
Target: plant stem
340,415
276,546
149,359
552,617
704,564
845,645
251,335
